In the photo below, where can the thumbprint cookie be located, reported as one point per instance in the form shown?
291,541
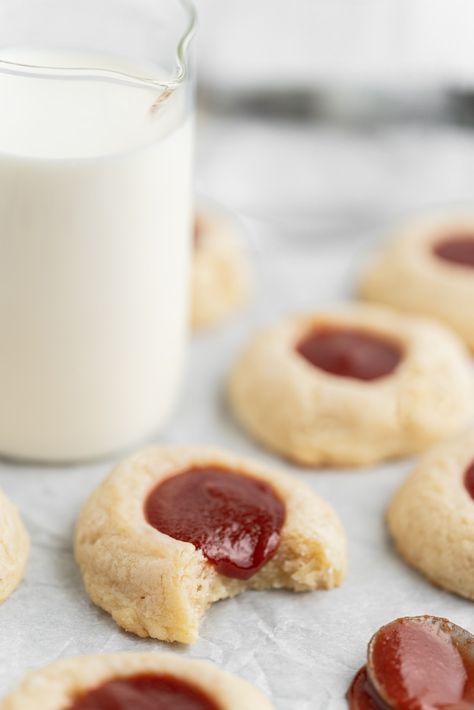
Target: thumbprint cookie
14,547
133,681
428,269
431,516
220,271
174,529
351,386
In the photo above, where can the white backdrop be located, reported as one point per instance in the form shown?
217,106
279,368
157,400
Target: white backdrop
316,41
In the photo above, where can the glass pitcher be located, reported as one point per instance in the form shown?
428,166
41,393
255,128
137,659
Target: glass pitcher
96,144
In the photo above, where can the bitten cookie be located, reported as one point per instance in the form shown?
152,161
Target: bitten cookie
220,272
172,530
428,268
431,517
131,681
14,547
351,386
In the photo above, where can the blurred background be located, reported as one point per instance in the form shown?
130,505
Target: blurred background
326,118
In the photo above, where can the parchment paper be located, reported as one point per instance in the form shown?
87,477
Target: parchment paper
302,650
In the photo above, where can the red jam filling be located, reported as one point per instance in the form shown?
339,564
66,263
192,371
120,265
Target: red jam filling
457,250
360,694
414,665
469,480
146,691
350,353
234,519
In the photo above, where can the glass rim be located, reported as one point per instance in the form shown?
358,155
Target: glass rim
64,72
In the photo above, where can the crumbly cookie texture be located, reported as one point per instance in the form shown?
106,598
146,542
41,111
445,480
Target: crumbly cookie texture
406,274
431,517
56,686
154,585
14,547
220,271
316,418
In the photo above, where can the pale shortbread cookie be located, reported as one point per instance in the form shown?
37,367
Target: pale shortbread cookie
406,274
220,271
14,547
154,585
316,418
431,517
58,685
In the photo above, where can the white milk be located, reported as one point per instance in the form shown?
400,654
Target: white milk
95,210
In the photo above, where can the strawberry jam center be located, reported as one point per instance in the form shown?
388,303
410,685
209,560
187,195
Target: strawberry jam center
145,691
457,250
469,480
350,353
235,520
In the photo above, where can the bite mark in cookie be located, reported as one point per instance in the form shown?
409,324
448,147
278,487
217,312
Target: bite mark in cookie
174,529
